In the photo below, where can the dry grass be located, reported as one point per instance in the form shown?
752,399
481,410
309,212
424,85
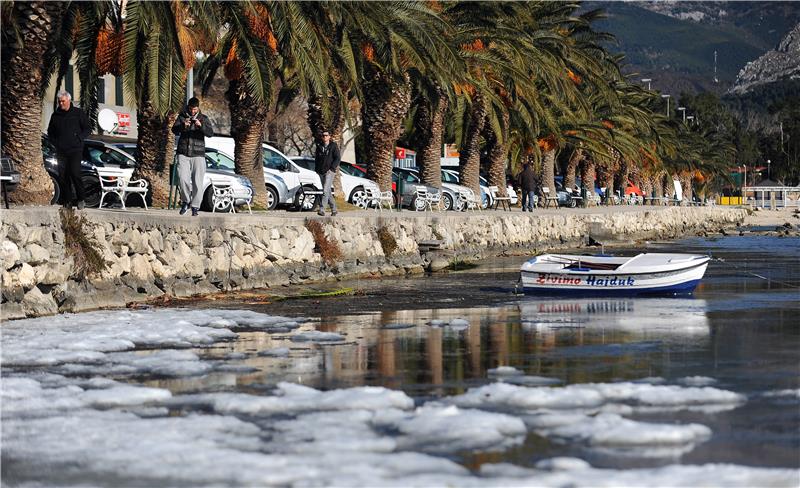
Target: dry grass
79,246
387,240
329,250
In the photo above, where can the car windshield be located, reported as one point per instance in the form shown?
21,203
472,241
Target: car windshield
128,148
306,163
449,177
273,160
218,160
101,155
352,170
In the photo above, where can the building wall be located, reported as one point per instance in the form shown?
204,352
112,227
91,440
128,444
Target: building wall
111,97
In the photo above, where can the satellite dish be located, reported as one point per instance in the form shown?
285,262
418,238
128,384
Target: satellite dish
107,120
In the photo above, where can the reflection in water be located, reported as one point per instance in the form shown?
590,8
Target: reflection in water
574,340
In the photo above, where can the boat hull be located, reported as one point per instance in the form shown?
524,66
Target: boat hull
681,281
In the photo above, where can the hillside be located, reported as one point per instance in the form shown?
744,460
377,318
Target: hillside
674,42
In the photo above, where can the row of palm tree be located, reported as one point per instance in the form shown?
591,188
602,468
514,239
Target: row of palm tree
510,81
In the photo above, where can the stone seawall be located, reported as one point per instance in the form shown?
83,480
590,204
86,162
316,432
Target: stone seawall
149,254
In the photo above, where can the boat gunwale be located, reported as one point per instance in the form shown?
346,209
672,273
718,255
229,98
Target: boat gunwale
614,272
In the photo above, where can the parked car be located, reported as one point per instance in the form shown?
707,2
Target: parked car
450,191
94,153
241,186
512,194
222,163
452,175
354,187
10,174
297,180
360,171
407,180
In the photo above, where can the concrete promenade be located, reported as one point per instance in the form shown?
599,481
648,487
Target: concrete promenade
158,253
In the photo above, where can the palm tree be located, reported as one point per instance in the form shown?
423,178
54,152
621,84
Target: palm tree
158,47
248,51
28,30
396,41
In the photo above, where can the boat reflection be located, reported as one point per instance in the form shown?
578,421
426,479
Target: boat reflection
446,351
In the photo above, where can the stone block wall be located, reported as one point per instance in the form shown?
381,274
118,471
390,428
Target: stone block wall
152,254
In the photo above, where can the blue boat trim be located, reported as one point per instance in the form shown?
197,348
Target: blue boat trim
685,288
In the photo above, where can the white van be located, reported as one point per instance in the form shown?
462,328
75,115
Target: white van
297,180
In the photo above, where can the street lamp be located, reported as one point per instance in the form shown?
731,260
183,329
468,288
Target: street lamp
769,173
647,80
683,110
667,97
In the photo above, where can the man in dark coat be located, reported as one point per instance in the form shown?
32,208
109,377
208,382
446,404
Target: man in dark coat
326,163
67,130
527,182
192,127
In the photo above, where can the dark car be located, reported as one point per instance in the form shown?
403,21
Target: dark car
95,153
407,180
10,176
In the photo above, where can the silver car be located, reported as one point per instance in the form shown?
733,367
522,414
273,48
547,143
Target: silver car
216,173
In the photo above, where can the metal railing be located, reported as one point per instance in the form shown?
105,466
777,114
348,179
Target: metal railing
771,196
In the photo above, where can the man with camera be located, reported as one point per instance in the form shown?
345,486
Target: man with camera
192,127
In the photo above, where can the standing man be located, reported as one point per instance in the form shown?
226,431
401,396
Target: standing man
67,130
326,163
192,127
527,182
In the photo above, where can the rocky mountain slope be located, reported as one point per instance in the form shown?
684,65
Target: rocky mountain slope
782,63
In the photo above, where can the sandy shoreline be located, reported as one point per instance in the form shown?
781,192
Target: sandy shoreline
765,217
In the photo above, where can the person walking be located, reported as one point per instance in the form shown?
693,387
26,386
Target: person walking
192,127
527,182
326,163
67,130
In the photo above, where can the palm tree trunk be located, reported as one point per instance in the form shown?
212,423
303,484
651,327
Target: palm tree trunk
22,97
589,174
686,187
335,124
572,167
549,171
248,120
152,146
469,160
497,148
386,103
430,127
621,178
658,184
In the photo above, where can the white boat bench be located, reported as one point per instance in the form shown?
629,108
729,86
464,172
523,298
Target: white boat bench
117,181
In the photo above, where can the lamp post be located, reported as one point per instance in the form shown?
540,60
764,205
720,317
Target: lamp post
667,97
683,111
769,173
647,80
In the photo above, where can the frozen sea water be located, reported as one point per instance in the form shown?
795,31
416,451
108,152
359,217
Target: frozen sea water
525,393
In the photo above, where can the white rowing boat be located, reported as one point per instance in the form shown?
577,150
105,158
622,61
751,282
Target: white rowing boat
643,274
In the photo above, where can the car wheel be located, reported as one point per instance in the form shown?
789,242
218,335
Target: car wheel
359,197
91,192
272,198
56,191
572,203
302,202
448,201
485,202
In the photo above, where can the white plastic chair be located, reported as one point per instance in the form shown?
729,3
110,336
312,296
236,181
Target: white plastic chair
377,198
118,181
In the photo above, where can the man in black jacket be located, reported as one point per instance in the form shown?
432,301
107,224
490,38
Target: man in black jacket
527,182
67,130
192,127
326,163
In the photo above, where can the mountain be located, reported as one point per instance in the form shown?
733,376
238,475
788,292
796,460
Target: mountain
674,43
782,63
